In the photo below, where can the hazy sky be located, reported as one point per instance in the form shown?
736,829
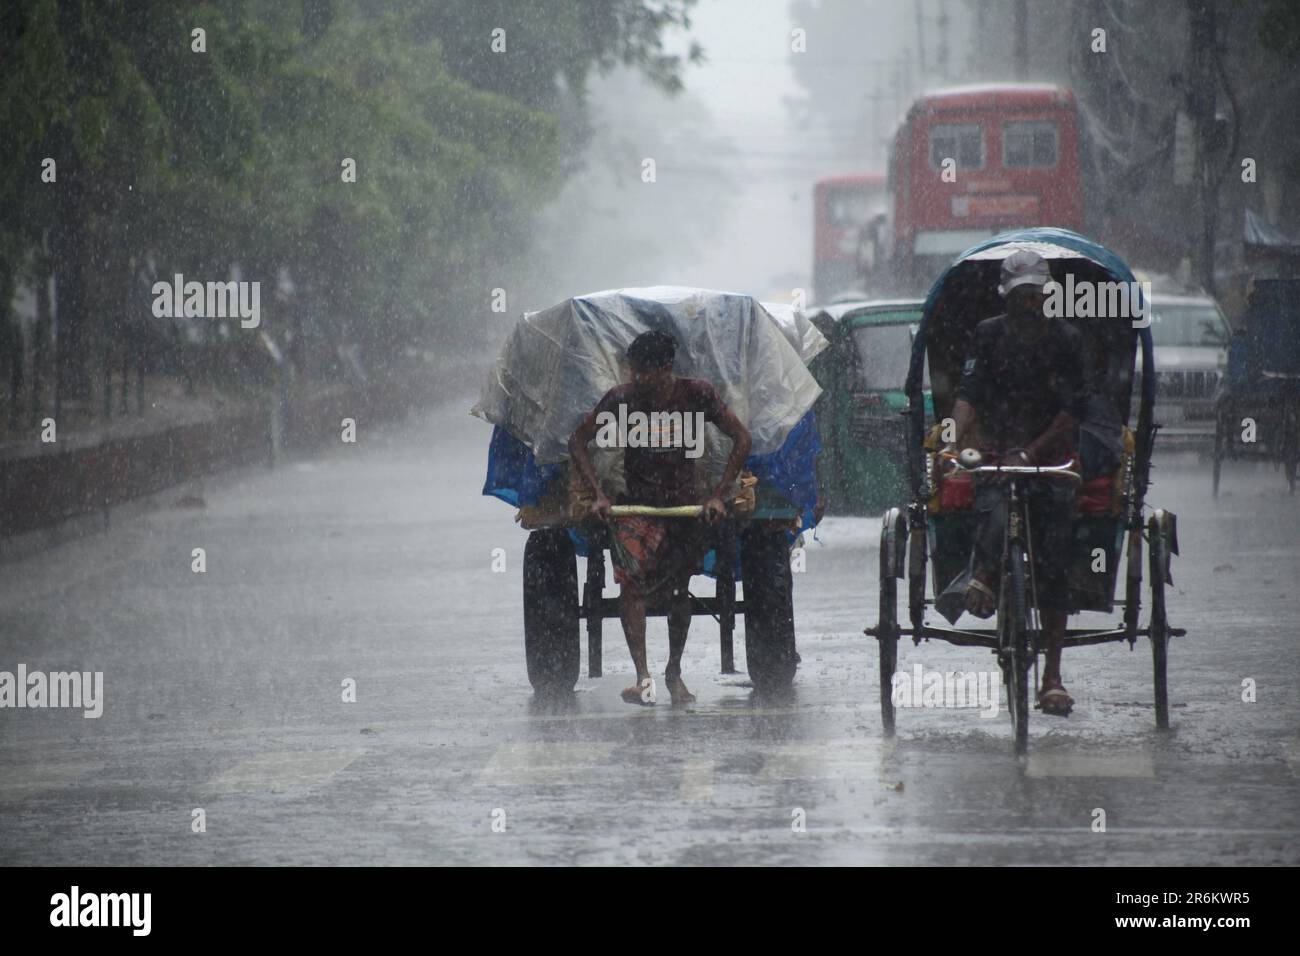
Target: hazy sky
745,85
732,205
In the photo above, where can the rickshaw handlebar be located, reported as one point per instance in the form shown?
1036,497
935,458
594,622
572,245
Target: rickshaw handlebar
1051,471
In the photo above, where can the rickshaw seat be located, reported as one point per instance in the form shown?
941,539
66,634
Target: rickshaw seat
1095,497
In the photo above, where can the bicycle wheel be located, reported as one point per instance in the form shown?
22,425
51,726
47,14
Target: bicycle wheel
1013,623
887,618
1159,557
1290,445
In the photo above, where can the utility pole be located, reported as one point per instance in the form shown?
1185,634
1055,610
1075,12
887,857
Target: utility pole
877,138
942,24
1021,35
1201,38
920,34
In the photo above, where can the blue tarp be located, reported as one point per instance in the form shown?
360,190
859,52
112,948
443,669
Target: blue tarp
512,474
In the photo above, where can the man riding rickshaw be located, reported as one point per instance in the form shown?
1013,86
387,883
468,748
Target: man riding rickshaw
1023,392
1027,487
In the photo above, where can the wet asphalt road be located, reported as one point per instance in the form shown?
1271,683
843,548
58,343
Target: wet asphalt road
223,691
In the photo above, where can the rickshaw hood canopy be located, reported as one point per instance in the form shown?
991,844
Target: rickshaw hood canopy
1053,245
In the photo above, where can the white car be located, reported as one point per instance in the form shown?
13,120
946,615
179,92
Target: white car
1190,338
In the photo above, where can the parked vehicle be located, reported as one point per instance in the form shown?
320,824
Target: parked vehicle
1190,335
1257,412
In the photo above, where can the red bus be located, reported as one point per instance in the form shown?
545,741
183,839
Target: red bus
841,207
1015,153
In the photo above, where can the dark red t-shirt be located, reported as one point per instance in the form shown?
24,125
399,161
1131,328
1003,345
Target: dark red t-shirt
664,476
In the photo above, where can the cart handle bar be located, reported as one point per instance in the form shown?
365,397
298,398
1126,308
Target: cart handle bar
679,511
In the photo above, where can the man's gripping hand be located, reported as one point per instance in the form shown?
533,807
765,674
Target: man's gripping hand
714,510
601,508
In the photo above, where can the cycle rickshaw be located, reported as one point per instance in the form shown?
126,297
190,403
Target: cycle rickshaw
933,534
1257,412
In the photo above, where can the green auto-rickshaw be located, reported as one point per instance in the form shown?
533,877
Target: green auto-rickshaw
863,460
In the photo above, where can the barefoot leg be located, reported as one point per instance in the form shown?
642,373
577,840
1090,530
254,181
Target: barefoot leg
632,610
679,623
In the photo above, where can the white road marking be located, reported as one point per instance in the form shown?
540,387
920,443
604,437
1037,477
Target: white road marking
1090,765
826,759
1293,756
282,771
532,764
697,781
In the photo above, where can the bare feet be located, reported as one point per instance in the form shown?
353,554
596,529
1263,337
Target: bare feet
642,692
677,688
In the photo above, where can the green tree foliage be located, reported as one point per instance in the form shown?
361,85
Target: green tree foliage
171,160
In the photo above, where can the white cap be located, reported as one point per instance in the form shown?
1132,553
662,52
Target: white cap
1023,267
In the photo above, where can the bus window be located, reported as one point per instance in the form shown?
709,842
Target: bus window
963,142
1029,144
846,207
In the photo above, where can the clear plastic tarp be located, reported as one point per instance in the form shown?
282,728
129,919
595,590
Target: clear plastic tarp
798,330
557,363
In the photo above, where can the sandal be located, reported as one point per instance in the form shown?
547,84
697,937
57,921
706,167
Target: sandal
1054,700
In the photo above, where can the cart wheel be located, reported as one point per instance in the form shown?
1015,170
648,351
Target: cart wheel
1015,655
917,557
551,643
1159,622
769,609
